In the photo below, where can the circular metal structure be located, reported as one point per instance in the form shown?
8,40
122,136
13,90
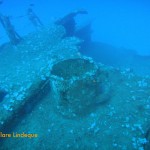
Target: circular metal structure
75,86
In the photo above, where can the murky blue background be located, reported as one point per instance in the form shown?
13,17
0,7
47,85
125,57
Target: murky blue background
119,23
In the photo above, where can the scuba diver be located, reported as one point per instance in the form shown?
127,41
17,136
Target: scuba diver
34,18
68,22
14,37
83,33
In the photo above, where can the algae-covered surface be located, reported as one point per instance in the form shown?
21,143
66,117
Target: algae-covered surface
25,66
121,122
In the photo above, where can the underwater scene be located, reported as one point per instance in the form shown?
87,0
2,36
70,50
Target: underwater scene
74,75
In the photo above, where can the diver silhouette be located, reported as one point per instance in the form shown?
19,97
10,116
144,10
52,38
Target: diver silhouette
68,22
14,37
83,33
34,19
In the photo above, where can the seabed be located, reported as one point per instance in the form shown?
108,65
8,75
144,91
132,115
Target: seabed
122,122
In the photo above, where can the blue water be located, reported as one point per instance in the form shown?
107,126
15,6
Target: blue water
119,23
